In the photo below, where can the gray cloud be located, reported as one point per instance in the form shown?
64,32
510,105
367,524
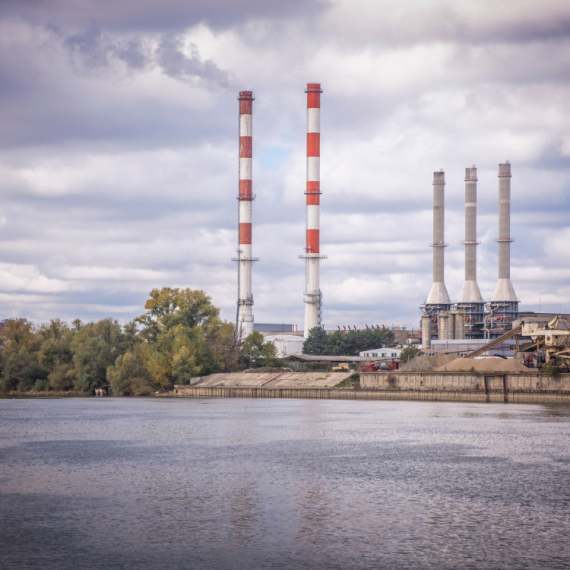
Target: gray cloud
154,15
118,163
175,63
91,51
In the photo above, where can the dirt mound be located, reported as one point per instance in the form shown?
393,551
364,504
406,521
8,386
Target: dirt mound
483,365
425,363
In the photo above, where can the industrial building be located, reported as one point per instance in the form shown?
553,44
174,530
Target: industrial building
381,353
470,317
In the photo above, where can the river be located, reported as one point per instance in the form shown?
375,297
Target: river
246,484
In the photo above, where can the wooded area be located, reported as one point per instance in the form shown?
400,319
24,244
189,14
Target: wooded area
179,336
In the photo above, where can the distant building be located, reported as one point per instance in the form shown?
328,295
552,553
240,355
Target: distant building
382,353
272,327
286,344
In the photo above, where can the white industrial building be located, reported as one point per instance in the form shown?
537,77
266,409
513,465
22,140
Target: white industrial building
382,353
286,344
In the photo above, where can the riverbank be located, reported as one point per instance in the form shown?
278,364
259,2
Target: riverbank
432,386
46,394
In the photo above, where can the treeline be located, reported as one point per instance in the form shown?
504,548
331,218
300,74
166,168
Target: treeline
179,336
348,343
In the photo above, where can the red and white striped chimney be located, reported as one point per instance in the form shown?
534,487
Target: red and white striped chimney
244,318
313,295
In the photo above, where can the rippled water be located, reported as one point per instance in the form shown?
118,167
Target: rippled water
160,483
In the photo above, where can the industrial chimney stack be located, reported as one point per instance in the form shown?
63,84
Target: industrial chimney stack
312,256
438,299
470,301
504,305
244,317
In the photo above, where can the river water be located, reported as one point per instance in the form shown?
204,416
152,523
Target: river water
247,484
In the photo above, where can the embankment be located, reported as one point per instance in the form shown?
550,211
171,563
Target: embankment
429,386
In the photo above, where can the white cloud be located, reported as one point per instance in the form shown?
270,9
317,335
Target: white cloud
118,172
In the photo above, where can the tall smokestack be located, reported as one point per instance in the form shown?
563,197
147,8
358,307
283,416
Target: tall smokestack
244,318
504,290
312,256
470,292
438,294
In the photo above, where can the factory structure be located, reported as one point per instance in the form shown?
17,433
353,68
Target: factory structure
470,317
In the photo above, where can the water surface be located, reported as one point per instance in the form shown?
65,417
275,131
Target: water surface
238,483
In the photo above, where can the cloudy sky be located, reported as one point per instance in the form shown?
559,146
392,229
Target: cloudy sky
118,158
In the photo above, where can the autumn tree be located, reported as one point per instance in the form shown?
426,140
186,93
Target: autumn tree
168,308
257,352
20,365
56,354
95,347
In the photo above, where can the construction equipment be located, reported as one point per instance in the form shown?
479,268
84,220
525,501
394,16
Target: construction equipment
496,342
553,338
342,367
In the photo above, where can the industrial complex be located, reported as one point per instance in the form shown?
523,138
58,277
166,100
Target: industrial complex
470,317
466,326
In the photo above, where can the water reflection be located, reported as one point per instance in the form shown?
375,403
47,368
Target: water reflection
314,513
244,515
283,484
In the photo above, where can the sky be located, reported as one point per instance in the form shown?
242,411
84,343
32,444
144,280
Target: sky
119,151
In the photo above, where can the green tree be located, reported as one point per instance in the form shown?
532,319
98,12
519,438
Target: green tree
56,354
95,347
224,349
316,342
20,366
409,352
19,336
257,352
21,370
129,375
167,308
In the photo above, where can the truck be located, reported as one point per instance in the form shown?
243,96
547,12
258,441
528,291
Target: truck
341,367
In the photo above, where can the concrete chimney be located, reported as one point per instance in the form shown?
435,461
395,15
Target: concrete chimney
470,292
504,291
438,294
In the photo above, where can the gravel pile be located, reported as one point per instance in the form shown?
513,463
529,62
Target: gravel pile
425,363
483,365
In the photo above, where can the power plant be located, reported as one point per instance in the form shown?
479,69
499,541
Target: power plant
470,317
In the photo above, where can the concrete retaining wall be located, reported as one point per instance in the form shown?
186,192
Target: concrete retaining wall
492,387
440,386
